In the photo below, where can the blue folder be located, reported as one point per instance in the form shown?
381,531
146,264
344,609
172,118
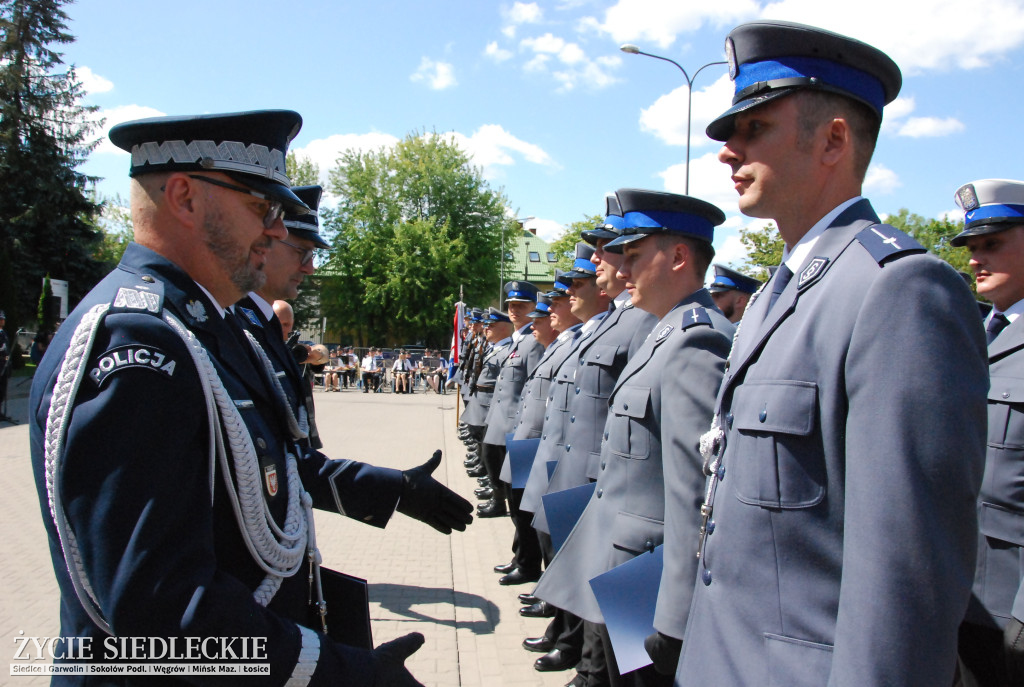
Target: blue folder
521,453
563,509
627,595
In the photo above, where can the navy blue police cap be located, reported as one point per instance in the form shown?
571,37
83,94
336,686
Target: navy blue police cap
728,279
990,206
560,287
656,212
582,267
770,59
307,225
250,147
495,315
520,291
611,227
477,315
543,308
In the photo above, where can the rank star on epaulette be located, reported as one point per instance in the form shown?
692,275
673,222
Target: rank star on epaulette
196,310
665,331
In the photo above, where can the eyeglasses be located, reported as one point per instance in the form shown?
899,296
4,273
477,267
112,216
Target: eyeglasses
274,212
306,254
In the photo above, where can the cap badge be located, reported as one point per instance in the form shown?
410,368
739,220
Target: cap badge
968,197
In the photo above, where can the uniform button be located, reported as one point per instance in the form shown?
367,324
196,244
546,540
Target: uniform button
567,447
1006,394
728,420
604,464
706,577
148,279
597,357
625,406
764,414
260,443
711,527
600,492
547,417
544,437
577,390
606,435
649,545
721,472
572,419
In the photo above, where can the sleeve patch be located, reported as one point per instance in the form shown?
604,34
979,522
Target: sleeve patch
132,356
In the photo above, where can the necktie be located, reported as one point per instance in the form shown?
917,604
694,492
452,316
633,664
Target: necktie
782,277
996,324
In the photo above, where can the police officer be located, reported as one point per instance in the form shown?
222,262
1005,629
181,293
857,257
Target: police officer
288,262
840,531
498,329
658,410
731,291
158,443
5,364
991,643
523,355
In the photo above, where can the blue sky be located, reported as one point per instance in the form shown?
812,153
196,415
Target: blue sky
540,94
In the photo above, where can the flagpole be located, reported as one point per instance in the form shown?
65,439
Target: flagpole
458,387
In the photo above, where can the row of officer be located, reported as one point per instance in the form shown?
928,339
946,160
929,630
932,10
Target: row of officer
195,518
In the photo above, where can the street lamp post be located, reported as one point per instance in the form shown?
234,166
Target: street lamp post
633,50
521,221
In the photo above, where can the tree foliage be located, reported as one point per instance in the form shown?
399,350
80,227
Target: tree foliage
565,245
764,249
46,216
115,221
934,234
413,224
302,171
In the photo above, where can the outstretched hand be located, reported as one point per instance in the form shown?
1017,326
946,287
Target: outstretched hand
429,501
389,661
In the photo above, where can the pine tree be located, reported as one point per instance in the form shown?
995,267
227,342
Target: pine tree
47,221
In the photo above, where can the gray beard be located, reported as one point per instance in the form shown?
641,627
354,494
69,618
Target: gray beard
234,259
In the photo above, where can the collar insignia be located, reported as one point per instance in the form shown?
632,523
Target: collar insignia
251,316
196,310
811,271
664,332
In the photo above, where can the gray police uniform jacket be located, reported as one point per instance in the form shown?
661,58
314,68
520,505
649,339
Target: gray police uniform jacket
563,367
602,359
519,364
163,555
483,386
998,592
659,408
529,419
843,532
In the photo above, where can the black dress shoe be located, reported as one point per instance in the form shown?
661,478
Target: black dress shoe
578,681
541,609
478,471
505,568
541,645
471,463
491,509
518,576
553,660
528,599
485,493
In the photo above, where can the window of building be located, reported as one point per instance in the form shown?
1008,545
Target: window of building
534,256
552,258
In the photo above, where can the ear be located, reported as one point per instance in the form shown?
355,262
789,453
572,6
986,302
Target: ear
838,142
682,256
183,201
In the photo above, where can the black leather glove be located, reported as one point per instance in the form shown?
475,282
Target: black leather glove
664,651
429,501
389,661
1013,646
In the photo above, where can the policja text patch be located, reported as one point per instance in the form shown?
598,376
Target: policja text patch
125,357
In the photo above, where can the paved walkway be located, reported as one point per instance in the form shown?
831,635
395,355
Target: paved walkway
420,580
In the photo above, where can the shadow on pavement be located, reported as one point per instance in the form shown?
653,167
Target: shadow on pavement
400,599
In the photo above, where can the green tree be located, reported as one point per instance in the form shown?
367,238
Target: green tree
46,217
413,224
764,249
115,221
565,245
302,171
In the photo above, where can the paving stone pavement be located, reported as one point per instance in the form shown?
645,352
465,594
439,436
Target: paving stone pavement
420,580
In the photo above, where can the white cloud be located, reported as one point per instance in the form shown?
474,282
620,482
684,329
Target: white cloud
899,108
495,53
547,229
709,180
116,115
922,127
941,35
954,215
524,13
437,75
880,180
666,118
491,147
324,152
661,21
578,68
92,82
729,249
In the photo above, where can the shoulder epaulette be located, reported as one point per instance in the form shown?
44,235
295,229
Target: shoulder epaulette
145,296
885,242
695,317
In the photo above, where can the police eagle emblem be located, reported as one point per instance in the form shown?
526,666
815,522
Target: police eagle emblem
196,310
270,477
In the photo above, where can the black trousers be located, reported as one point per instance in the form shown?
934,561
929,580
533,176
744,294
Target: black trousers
981,659
525,545
644,677
492,456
